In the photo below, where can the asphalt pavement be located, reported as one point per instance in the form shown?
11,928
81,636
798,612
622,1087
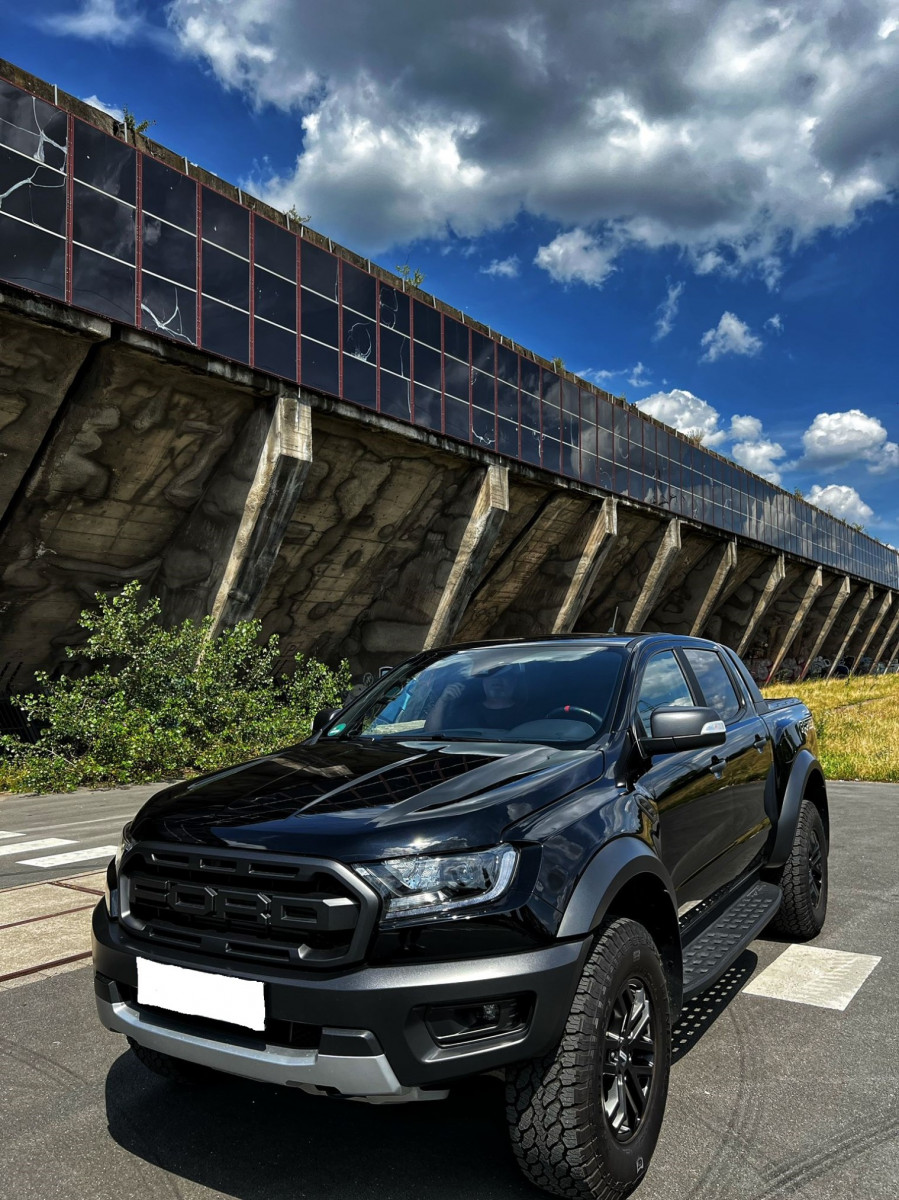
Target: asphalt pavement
78,831
769,1098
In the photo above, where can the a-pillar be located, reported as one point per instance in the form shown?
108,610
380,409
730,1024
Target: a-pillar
865,636
219,560
486,521
783,639
821,619
864,597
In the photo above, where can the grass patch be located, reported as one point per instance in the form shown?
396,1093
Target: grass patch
857,722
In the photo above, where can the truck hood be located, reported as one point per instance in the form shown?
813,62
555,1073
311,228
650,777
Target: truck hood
355,800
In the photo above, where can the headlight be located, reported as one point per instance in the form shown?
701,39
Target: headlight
424,886
125,844
112,872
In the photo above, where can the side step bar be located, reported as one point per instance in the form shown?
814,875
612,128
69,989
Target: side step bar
717,945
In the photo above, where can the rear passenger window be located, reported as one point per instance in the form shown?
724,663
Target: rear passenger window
715,682
663,682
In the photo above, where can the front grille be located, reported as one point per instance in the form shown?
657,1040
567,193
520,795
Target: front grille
277,909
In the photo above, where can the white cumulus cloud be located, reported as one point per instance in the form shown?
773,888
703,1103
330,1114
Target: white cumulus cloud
686,413
760,455
732,130
775,322
837,439
745,429
506,268
576,257
730,336
842,501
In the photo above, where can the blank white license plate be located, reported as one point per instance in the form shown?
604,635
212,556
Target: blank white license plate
201,994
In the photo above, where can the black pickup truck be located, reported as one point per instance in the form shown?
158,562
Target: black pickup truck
518,856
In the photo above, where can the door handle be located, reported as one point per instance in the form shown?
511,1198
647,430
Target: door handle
716,766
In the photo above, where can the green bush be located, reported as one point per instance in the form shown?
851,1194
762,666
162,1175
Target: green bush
161,703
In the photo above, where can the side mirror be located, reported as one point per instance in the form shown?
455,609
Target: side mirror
321,719
680,728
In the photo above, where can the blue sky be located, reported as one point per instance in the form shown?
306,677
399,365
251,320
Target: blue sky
692,205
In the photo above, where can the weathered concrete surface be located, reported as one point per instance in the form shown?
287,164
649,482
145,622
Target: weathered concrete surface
867,631
124,456
850,618
886,647
120,463
789,611
600,539
526,589
694,584
484,526
820,620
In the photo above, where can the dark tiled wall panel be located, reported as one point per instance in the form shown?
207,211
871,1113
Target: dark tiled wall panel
87,219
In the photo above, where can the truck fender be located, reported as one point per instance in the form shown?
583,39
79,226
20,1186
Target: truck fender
605,875
804,765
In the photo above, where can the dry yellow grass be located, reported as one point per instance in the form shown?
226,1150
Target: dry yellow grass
857,722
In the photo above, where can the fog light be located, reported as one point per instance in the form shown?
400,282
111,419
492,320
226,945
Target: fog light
452,1024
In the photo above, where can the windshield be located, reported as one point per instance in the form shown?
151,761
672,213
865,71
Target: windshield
554,693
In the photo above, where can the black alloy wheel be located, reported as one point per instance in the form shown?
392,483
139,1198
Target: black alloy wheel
815,868
804,879
584,1119
629,1060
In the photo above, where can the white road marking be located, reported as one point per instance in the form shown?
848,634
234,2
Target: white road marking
60,860
112,821
812,975
41,844
6,834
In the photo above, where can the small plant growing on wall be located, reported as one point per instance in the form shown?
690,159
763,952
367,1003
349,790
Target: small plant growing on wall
413,276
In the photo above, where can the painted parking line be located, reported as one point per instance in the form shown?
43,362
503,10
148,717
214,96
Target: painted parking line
813,975
41,844
73,856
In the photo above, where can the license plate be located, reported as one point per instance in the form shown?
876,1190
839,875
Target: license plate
201,994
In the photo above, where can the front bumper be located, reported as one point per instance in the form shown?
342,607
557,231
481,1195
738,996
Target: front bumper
372,1038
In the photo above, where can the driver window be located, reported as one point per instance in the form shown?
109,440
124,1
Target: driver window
715,683
663,683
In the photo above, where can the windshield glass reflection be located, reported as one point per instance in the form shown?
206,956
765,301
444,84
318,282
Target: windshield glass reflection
552,693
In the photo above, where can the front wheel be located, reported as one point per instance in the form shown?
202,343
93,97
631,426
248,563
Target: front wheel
585,1119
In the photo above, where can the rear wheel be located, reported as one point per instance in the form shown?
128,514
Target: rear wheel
804,882
585,1119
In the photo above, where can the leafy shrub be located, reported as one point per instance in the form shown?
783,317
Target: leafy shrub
162,703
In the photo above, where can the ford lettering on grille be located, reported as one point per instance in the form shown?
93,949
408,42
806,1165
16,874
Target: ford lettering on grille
268,910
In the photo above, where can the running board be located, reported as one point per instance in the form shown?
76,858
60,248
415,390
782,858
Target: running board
719,944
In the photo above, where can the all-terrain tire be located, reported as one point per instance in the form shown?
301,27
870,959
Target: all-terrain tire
173,1069
562,1135
804,881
